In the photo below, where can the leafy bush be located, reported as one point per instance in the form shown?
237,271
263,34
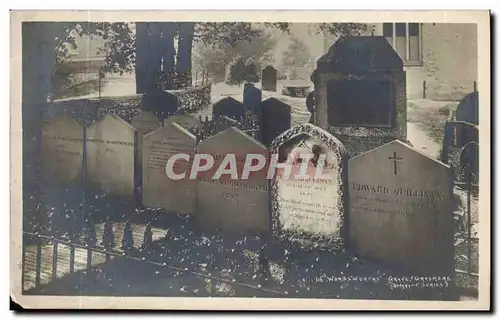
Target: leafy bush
251,71
237,71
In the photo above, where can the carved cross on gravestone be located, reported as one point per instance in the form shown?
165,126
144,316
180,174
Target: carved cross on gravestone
395,158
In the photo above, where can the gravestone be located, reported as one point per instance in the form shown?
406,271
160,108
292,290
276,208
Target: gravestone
269,79
62,149
111,151
469,162
158,189
467,111
232,203
145,122
360,93
252,97
229,107
401,208
160,101
276,119
186,121
309,209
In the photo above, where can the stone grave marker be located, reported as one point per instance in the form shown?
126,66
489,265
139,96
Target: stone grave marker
160,101
111,152
62,149
229,107
467,111
158,189
401,208
144,122
269,78
252,97
232,203
276,119
360,93
309,209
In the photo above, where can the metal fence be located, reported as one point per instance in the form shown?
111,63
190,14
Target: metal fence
460,150
108,252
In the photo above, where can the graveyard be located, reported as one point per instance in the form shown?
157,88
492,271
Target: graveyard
387,224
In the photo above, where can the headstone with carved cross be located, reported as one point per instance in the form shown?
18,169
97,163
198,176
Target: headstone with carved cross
400,209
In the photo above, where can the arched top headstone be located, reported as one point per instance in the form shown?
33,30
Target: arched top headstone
309,208
468,108
313,131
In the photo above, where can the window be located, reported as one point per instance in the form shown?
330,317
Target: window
405,39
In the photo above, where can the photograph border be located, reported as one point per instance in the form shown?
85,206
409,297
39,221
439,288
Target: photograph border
479,17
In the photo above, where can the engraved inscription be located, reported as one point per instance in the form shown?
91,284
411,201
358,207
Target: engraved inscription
308,206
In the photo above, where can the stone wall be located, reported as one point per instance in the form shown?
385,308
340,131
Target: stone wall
192,99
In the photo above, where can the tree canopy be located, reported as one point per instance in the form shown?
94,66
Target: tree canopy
297,54
120,37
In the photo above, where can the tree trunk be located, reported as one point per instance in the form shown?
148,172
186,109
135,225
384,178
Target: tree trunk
141,56
38,56
169,29
186,33
155,54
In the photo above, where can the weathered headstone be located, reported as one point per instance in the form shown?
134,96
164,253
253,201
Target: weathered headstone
360,93
469,162
111,152
158,189
232,203
252,97
276,119
145,122
160,101
467,111
401,208
311,206
62,149
229,107
269,78
185,120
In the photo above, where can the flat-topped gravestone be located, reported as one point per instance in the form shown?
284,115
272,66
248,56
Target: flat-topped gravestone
360,93
269,79
276,119
401,208
232,203
229,107
111,152
187,121
158,189
309,208
62,149
145,122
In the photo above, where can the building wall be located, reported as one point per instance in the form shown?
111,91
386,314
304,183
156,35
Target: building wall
449,62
